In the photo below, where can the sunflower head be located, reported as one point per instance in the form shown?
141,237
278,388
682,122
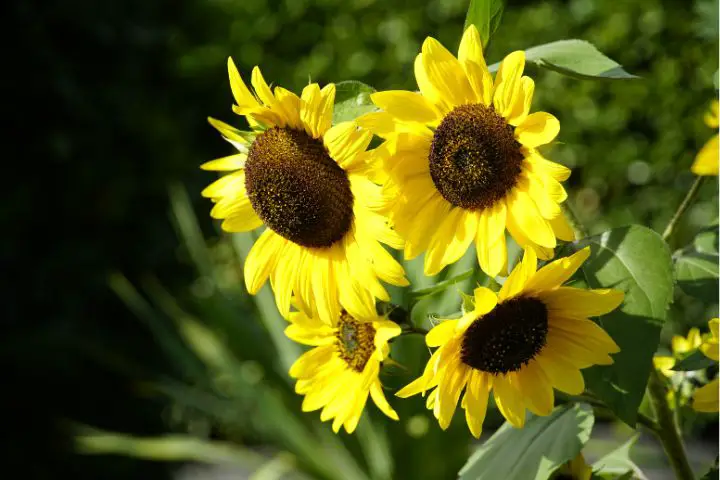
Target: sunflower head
532,336
310,183
464,149
343,369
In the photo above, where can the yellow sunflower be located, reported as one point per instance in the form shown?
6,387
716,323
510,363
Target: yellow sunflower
307,182
706,162
705,399
343,368
462,161
532,336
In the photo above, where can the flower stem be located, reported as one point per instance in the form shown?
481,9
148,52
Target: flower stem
687,201
668,431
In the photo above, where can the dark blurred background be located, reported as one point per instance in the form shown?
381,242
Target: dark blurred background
107,106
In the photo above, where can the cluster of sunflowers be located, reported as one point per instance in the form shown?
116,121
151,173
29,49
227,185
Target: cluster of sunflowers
458,163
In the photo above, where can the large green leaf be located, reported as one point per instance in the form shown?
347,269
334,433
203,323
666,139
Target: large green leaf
575,58
637,261
352,99
696,266
536,450
485,15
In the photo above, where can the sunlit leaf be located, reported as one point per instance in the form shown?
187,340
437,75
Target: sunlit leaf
637,261
352,99
485,15
575,58
535,451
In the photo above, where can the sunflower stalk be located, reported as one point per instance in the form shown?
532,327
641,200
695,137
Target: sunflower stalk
686,203
668,431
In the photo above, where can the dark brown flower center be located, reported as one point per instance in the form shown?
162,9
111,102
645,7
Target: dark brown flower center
507,337
297,189
474,157
355,341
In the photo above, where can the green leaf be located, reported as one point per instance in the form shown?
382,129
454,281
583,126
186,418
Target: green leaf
696,266
695,361
485,15
575,58
535,451
637,261
618,461
352,99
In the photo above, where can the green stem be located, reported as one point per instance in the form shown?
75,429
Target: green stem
668,431
687,201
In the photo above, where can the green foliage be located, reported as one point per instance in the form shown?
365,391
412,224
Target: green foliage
576,58
637,261
352,99
485,15
536,450
696,265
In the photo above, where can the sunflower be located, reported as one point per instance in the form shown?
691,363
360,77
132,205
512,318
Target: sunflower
462,161
532,336
307,182
705,399
343,368
706,162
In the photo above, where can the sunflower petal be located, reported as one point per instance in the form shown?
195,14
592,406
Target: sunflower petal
556,273
476,400
445,74
580,303
262,259
508,83
523,271
406,106
244,99
537,129
509,401
440,333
